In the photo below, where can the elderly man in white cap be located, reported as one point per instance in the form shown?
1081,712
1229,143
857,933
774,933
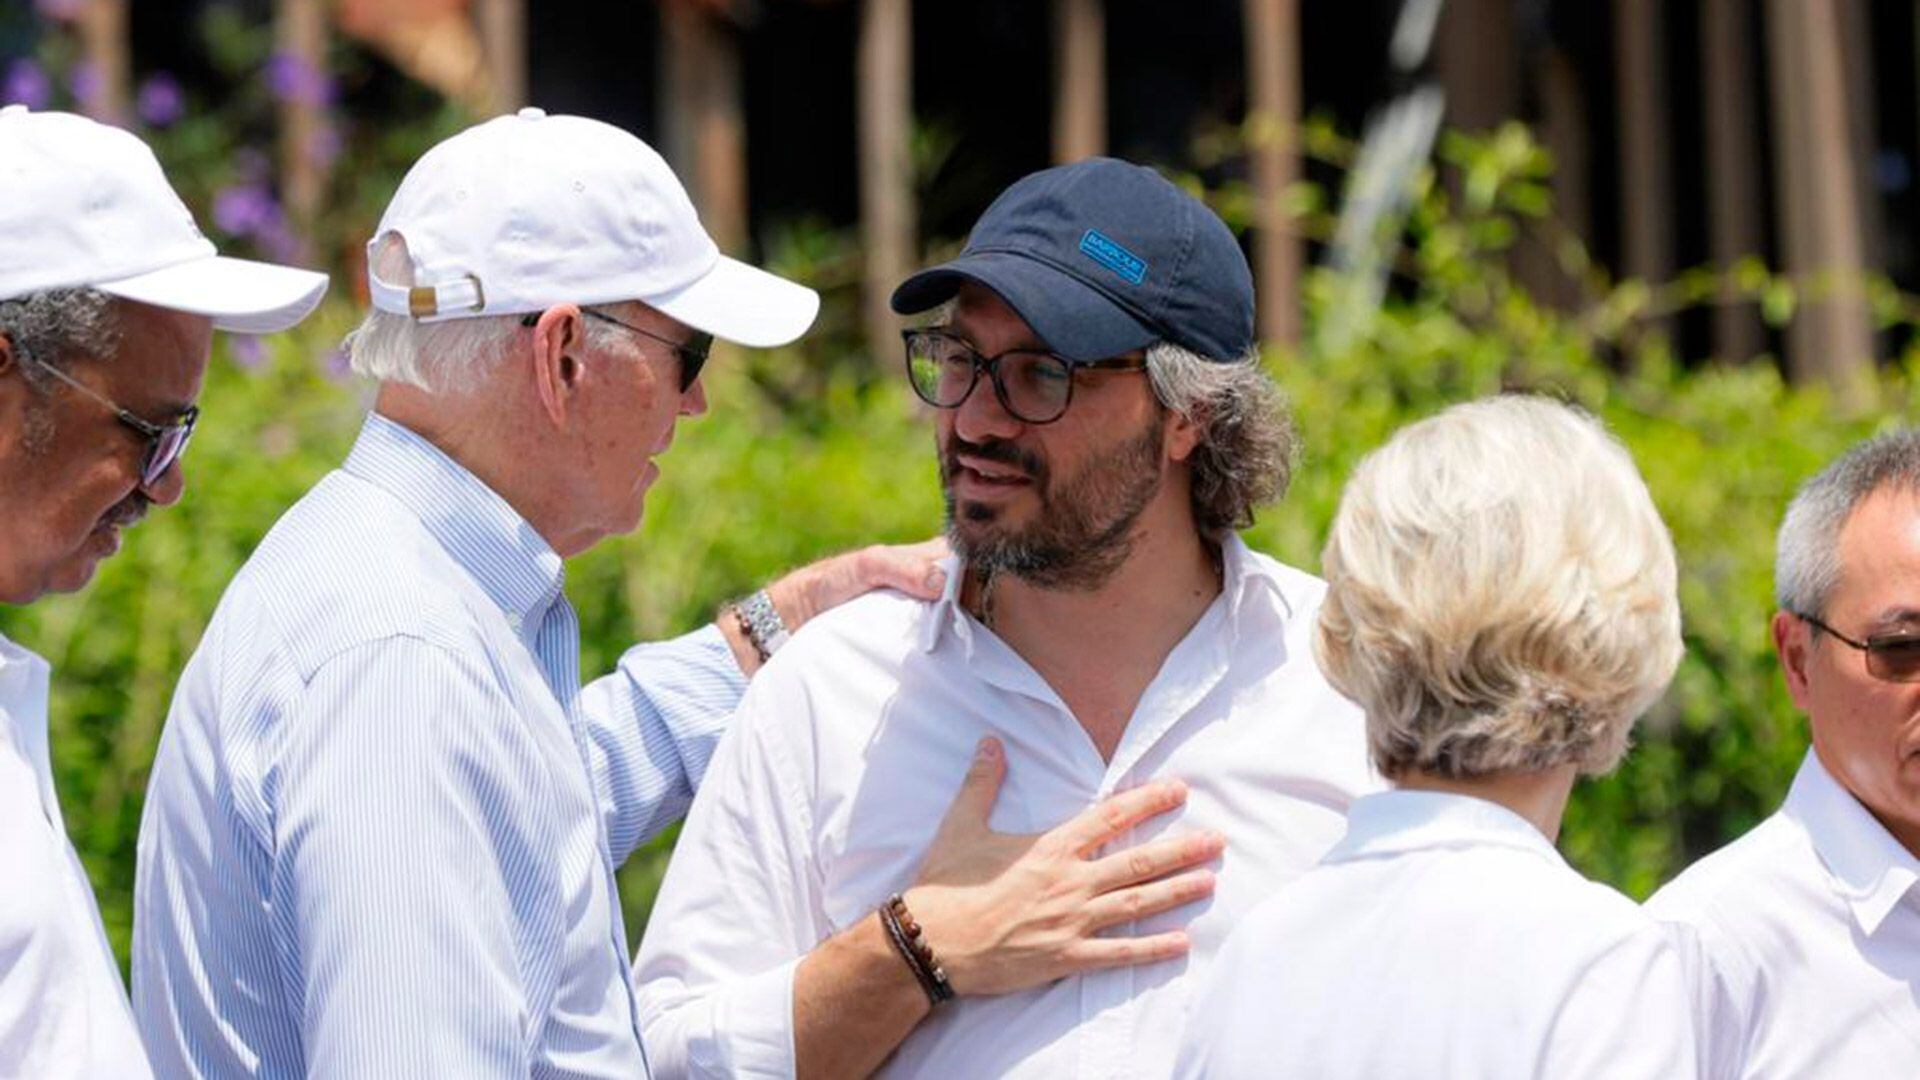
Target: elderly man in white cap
109,297
383,825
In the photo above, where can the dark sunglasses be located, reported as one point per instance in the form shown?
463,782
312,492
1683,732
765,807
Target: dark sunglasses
692,353
1890,657
165,442
1034,387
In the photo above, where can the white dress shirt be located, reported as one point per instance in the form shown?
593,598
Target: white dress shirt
1808,931
823,798
1443,937
63,1011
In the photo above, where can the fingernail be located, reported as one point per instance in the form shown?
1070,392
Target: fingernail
936,579
989,747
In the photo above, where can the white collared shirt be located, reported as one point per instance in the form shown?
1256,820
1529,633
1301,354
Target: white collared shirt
1808,931
1443,937
848,748
63,1010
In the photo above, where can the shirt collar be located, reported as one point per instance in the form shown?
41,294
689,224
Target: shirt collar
1241,574
1871,870
515,566
1398,821
23,703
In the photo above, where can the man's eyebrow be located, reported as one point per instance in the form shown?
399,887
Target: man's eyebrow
1898,616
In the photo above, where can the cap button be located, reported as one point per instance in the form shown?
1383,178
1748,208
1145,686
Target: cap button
531,113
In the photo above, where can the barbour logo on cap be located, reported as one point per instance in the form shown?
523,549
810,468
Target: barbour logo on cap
1101,248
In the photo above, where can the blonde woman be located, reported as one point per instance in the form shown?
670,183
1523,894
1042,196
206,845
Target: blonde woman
1501,603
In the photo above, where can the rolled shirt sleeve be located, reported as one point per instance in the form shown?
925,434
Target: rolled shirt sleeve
737,911
409,792
653,725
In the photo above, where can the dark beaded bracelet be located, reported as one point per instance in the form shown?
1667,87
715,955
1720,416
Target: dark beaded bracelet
908,941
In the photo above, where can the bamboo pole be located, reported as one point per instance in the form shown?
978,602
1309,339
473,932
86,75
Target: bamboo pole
704,120
1646,169
884,77
300,36
1829,339
104,49
503,36
1273,66
1733,170
1079,79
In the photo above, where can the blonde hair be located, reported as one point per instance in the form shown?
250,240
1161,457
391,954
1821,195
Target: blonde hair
1501,593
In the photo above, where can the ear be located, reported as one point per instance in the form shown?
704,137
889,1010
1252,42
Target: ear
1793,642
1183,434
7,360
556,373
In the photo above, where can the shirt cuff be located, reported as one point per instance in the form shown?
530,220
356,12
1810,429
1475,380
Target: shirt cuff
750,1028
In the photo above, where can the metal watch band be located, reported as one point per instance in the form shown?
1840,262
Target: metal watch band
763,624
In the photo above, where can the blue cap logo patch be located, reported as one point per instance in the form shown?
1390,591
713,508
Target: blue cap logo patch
1101,248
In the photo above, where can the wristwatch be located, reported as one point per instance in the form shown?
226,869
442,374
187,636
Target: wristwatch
761,622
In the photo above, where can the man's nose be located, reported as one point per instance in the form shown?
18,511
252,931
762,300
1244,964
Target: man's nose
981,418
168,487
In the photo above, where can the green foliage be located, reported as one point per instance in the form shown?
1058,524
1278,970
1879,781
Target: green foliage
817,448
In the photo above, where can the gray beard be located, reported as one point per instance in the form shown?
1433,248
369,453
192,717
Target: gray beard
1084,530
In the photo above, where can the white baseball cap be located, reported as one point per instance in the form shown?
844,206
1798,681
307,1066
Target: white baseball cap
527,211
82,203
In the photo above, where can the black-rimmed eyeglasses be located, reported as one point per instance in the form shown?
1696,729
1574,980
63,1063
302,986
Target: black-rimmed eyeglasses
165,442
1034,386
692,353
1890,657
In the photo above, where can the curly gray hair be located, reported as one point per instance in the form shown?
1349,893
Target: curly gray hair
54,328
1245,457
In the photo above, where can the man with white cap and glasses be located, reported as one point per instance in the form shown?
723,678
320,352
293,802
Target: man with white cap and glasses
384,820
108,299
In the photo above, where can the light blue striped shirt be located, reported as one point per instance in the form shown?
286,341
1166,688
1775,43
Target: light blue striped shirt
381,831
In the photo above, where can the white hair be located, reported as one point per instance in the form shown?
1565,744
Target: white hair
452,356
1807,557
1501,593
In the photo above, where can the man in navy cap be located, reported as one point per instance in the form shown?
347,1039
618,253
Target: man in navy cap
1108,655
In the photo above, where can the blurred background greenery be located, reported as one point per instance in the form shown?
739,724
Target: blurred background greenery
818,447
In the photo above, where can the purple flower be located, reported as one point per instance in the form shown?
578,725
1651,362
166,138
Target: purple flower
161,104
245,209
87,85
338,365
26,84
291,78
247,351
60,10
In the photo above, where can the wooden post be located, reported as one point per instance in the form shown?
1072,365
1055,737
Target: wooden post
300,36
884,77
1474,56
1564,132
1079,80
1829,338
503,38
704,121
1733,170
1646,170
1273,127
104,49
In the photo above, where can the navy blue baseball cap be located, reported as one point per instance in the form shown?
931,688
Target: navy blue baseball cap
1102,257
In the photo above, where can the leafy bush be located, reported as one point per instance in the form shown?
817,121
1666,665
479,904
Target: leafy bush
807,454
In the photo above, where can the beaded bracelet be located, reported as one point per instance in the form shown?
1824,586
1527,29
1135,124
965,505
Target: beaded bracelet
907,940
